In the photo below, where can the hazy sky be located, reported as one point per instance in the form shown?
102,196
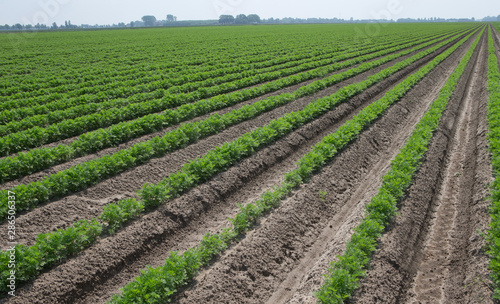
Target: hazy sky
114,11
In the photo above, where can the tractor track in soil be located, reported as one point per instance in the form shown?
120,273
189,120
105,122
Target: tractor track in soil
432,253
61,213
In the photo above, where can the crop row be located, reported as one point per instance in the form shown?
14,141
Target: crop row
344,274
141,83
150,80
41,115
36,64
86,174
111,62
196,58
221,158
39,159
493,236
179,270
54,111
37,136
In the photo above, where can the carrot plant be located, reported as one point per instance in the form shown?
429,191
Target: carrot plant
493,236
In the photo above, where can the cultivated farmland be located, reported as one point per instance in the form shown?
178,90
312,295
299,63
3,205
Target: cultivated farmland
252,164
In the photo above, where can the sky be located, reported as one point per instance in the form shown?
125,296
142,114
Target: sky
115,11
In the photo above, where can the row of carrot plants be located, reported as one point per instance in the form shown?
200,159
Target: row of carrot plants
19,119
39,159
86,174
54,246
159,285
40,115
115,65
344,274
493,236
143,83
122,65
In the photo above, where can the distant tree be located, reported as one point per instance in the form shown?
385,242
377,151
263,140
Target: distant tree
498,18
29,26
121,24
149,20
241,19
226,19
132,23
18,26
170,18
253,18
65,24
54,25
6,26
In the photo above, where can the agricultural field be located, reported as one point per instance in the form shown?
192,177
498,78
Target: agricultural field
251,164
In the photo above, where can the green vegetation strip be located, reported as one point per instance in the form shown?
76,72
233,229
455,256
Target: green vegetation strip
193,61
20,119
89,78
39,159
493,236
52,247
104,97
344,274
140,81
164,99
86,174
157,285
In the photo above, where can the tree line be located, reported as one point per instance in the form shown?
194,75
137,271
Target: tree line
171,20
240,19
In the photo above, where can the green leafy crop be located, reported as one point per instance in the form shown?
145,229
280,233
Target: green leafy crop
493,236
